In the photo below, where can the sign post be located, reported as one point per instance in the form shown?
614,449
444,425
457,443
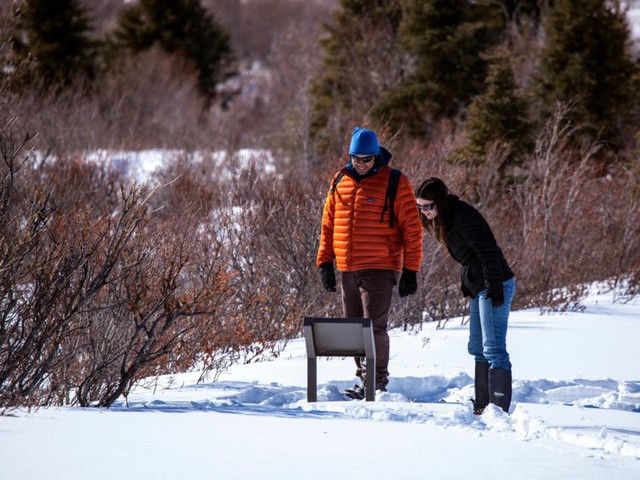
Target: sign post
339,337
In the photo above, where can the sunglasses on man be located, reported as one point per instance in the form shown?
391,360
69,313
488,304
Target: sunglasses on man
367,159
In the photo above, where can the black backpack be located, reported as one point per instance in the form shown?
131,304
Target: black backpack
390,198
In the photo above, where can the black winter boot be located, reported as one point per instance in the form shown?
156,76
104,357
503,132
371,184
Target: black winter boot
482,388
500,388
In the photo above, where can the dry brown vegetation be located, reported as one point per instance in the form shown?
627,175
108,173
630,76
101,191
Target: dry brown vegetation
562,225
104,282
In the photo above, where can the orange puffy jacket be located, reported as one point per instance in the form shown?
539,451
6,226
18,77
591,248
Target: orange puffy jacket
353,233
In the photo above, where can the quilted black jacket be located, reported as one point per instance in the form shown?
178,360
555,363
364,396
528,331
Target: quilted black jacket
471,243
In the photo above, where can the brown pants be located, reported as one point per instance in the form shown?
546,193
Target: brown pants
367,294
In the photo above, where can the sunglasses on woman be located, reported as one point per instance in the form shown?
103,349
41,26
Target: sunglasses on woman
427,207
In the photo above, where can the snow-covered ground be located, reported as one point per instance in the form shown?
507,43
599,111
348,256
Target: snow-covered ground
576,414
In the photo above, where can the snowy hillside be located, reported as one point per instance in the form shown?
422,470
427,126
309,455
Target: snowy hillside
576,414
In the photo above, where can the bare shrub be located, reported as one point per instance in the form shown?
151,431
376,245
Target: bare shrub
97,292
163,315
273,249
295,63
151,100
53,264
439,296
267,225
278,42
142,103
616,221
555,232
193,181
253,26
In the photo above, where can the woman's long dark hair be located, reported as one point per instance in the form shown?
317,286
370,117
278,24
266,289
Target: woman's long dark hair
434,190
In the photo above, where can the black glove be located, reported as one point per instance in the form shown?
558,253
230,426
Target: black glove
328,276
408,283
496,294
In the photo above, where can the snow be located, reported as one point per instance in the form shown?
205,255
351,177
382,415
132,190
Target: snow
575,415
143,165
633,16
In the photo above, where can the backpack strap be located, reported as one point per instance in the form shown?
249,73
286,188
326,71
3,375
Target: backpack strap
337,181
390,198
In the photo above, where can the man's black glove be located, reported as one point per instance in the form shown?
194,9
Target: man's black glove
408,283
496,294
328,276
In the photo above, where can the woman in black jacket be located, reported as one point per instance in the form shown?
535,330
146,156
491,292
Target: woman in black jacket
485,277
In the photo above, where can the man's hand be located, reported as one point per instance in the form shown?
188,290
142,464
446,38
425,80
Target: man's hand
408,283
328,276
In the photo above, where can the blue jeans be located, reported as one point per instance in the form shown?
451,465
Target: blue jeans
488,328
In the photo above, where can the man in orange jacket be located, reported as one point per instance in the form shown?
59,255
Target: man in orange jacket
371,241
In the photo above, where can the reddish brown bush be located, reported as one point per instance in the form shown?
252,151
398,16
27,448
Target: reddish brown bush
96,292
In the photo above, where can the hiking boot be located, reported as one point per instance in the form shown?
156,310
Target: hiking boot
357,392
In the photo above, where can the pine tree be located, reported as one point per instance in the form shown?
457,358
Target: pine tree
499,116
358,63
515,9
586,57
445,41
433,31
178,27
51,43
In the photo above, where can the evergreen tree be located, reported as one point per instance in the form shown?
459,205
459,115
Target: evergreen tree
360,60
178,27
515,9
586,56
445,41
51,43
499,116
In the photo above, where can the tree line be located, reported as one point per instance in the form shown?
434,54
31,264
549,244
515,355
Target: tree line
495,70
52,45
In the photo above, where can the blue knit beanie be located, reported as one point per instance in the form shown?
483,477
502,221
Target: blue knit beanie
364,142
